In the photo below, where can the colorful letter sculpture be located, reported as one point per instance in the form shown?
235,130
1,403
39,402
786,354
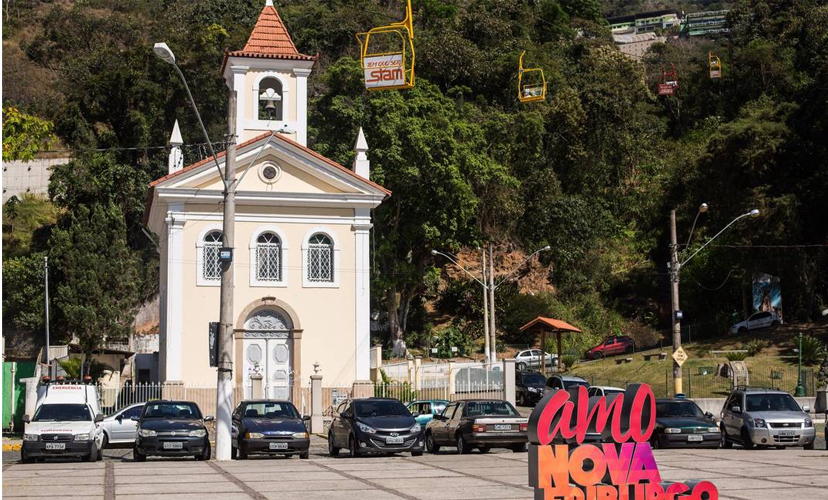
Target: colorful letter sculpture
598,448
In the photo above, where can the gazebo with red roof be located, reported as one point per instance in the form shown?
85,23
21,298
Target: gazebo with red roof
546,326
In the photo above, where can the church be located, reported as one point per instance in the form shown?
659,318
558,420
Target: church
302,237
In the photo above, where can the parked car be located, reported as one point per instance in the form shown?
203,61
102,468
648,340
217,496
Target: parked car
756,321
612,346
120,428
680,423
478,423
603,390
424,410
269,427
374,425
171,428
66,423
529,387
765,417
557,382
531,358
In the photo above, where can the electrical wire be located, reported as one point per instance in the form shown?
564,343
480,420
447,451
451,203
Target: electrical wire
199,145
718,287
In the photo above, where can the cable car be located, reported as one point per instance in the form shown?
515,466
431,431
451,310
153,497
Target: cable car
715,65
669,80
531,83
387,55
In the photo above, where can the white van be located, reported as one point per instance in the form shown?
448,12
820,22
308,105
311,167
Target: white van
65,422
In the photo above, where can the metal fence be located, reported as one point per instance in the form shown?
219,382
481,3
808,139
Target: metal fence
406,393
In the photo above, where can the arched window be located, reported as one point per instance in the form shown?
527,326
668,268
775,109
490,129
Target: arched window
211,269
320,259
270,99
268,257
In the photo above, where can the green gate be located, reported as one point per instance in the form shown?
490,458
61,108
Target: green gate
14,390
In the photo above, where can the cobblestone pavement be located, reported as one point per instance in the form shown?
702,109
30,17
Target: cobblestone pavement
739,475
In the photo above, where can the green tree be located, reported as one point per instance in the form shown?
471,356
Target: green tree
24,135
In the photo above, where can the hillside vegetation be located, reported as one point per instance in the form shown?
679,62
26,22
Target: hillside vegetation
593,171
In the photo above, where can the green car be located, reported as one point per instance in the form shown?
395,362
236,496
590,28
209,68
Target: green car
426,409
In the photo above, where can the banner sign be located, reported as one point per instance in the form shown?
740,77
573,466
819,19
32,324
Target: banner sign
598,448
384,71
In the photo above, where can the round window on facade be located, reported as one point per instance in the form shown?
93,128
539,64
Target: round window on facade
269,172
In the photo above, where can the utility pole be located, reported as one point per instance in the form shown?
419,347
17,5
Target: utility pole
674,293
46,286
224,394
485,306
492,328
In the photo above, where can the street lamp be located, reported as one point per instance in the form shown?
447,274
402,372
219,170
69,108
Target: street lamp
675,269
800,389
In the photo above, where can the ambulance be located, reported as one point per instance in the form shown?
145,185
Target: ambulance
66,422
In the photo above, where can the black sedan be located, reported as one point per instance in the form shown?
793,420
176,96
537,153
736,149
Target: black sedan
680,423
269,427
478,423
529,387
374,425
172,429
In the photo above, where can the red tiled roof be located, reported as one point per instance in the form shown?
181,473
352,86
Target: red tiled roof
270,39
554,324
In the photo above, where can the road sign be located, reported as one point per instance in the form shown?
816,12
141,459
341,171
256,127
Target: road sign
680,356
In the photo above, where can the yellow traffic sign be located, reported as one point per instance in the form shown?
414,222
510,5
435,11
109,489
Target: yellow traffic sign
680,356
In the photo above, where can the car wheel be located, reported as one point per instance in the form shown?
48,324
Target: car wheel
304,455
25,459
93,454
353,447
332,449
747,443
725,442
484,449
206,453
598,355
628,349
137,456
519,448
416,453
654,443
462,446
234,452
521,399
809,446
521,366
431,444
105,441
742,330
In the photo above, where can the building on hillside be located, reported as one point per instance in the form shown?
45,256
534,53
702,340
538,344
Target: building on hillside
707,23
301,249
21,177
644,22
636,45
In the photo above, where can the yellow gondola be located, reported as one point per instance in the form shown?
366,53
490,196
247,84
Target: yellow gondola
532,89
715,65
387,55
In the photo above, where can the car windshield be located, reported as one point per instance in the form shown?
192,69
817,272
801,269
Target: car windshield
62,413
480,408
270,410
380,409
534,378
676,409
771,402
575,383
172,410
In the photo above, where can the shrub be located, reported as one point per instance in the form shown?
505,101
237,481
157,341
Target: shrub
736,356
813,350
570,360
754,347
643,335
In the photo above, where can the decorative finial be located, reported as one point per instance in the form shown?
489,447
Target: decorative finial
269,3
175,138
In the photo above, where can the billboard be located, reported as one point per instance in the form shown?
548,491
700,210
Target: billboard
767,294
384,71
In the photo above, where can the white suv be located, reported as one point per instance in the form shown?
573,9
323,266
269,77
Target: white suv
65,423
755,321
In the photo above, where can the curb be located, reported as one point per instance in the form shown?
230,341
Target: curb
12,447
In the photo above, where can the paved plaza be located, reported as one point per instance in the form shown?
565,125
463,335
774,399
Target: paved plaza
739,475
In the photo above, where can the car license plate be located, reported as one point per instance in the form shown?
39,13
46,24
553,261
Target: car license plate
278,446
695,438
502,427
394,440
55,446
787,433
173,445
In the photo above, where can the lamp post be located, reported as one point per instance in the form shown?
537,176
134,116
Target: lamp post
224,392
675,269
800,389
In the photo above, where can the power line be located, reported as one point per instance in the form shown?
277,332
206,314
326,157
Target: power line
135,148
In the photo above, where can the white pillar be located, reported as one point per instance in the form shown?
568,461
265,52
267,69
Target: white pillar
509,380
176,159
173,320
302,105
362,167
317,421
241,102
362,293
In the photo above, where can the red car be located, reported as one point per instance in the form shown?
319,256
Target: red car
611,346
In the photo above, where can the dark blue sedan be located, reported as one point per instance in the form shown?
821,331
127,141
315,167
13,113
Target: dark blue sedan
269,427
